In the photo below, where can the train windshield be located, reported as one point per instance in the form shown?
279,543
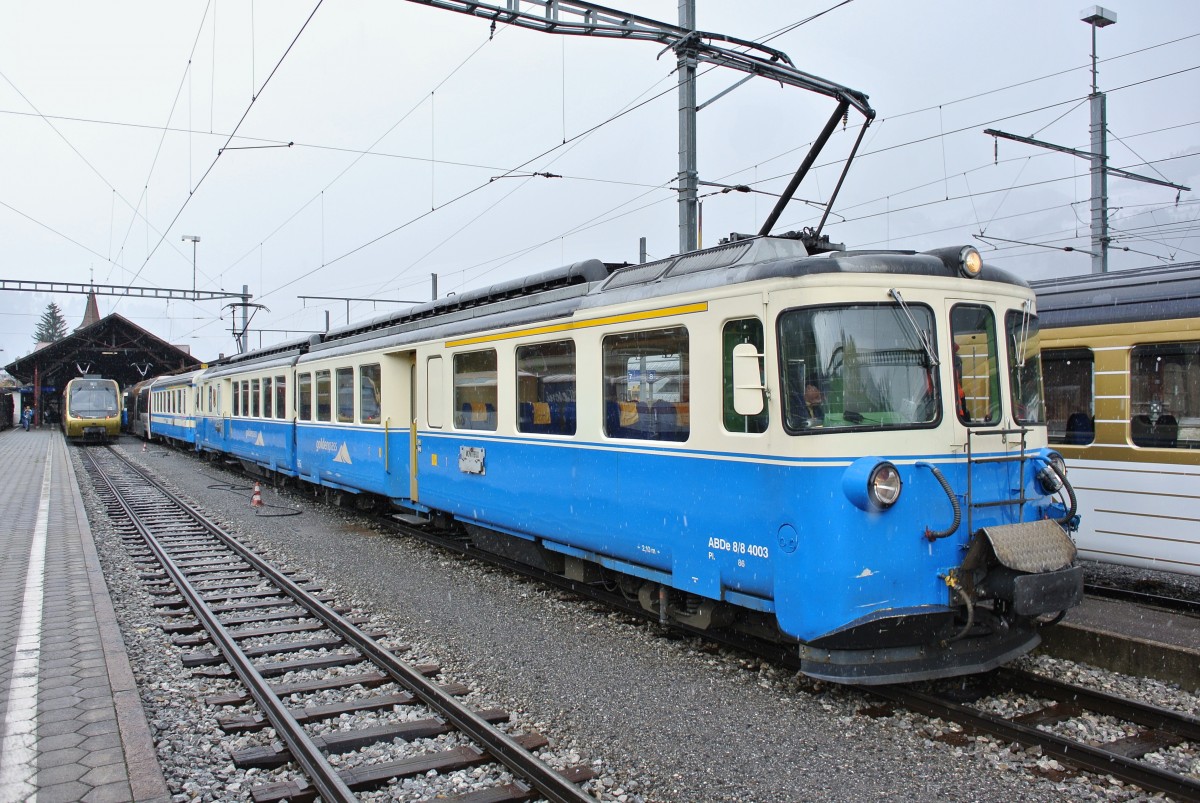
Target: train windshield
93,399
855,367
1024,367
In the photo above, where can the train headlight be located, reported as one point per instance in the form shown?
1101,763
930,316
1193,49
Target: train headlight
884,486
963,260
872,484
1050,477
970,263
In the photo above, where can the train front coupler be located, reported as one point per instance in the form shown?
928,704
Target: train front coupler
1028,569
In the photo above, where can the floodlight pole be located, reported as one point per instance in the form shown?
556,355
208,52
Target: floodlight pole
1098,17
689,173
194,240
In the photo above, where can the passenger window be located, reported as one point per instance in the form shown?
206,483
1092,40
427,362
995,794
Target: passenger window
324,408
304,397
245,397
268,399
647,386
475,390
546,388
368,393
237,401
281,397
749,330
1164,382
344,381
976,368
1070,394
255,398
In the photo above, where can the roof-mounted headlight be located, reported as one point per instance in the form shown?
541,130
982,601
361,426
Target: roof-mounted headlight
963,260
970,263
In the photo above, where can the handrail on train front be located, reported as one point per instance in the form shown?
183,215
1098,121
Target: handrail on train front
1022,457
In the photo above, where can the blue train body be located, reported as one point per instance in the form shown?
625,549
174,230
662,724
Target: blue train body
847,450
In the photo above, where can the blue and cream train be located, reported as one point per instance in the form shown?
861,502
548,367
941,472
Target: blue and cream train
844,450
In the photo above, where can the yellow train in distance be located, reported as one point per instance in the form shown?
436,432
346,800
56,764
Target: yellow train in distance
91,410
1121,360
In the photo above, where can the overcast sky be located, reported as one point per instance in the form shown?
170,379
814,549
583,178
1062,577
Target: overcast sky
401,115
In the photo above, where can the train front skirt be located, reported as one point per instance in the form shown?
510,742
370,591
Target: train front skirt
1011,575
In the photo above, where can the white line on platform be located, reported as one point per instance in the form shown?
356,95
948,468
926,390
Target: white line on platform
18,751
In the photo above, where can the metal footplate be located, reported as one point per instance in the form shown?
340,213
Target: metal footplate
1032,546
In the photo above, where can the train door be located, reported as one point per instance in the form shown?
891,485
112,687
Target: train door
975,365
984,429
398,408
225,399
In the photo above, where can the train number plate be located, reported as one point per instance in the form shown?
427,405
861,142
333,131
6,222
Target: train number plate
470,459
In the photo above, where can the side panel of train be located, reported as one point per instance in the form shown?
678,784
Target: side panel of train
91,410
1124,408
136,413
346,436
724,506
246,411
604,439
172,409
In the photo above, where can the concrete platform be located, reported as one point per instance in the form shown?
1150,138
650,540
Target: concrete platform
72,725
1131,638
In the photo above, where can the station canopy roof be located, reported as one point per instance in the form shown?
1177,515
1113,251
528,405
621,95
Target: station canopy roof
113,347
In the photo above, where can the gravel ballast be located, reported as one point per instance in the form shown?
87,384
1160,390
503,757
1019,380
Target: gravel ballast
659,717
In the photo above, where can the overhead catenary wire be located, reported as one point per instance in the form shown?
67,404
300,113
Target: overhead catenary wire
233,133
257,246
582,135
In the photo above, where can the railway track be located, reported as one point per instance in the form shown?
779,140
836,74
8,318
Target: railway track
250,620
1144,597
1154,728
1046,726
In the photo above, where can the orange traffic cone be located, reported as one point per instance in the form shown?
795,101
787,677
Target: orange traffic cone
256,497
143,446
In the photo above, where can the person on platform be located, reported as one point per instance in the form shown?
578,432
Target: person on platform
27,418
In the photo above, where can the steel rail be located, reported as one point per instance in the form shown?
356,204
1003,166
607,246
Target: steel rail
507,750
323,775
1177,604
1074,753
1078,754
1148,716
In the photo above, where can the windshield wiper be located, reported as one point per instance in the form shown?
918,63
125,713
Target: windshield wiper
1023,343
922,335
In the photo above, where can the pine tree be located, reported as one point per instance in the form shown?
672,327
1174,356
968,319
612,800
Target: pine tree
52,326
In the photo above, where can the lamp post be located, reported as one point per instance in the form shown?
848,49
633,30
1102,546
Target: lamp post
1098,17
194,240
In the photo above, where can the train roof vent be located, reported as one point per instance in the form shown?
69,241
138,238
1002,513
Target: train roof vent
711,258
637,274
